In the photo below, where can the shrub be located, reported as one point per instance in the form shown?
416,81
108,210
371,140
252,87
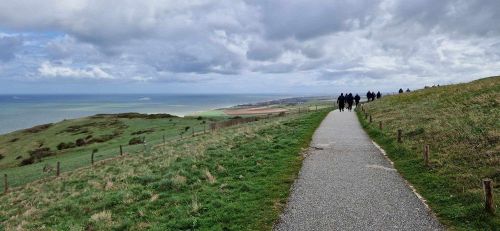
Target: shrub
80,142
27,161
1,156
136,140
14,140
67,145
143,131
39,153
101,139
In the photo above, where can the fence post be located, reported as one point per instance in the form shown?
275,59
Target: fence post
489,203
58,168
204,128
426,155
366,116
371,119
380,125
316,107
400,132
193,131
163,139
5,184
121,150
92,158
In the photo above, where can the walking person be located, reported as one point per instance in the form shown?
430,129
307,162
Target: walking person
341,102
379,95
368,96
350,100
356,99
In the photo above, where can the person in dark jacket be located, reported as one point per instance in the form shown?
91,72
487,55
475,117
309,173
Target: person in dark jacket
373,95
350,101
368,96
357,98
400,90
341,102
408,89
379,95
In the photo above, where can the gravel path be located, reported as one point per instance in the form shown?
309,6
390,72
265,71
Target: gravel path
347,184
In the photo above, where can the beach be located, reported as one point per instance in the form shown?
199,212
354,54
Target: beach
24,111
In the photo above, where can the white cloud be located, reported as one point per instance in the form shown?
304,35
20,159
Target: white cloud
47,69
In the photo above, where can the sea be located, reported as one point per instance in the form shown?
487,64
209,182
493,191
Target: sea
25,111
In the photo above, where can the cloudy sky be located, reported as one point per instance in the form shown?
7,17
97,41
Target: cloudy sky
244,46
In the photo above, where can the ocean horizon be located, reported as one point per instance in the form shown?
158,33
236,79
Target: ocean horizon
20,111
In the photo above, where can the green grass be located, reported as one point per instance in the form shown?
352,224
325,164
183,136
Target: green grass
73,158
462,126
234,179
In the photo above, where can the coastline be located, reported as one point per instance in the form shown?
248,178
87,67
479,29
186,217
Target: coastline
26,111
213,111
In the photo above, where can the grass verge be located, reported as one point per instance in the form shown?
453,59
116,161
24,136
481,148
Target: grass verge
460,123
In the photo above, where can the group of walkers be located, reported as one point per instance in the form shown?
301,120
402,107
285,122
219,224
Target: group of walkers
349,100
371,95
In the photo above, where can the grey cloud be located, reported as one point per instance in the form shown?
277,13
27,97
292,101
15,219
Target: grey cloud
170,40
8,47
460,17
304,19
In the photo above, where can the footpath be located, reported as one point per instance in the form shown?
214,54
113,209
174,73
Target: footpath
346,183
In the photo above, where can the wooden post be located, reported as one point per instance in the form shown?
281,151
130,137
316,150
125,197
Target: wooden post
366,116
92,158
163,139
121,150
426,155
193,131
5,184
489,202
204,129
400,132
316,107
380,125
58,169
371,119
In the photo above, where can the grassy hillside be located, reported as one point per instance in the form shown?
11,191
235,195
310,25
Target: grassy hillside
26,153
461,123
235,179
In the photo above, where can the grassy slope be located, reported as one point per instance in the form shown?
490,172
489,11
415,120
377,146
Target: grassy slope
461,123
80,156
236,179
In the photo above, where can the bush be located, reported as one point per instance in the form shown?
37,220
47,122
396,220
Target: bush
27,161
136,140
39,153
14,140
1,156
80,142
101,139
67,145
